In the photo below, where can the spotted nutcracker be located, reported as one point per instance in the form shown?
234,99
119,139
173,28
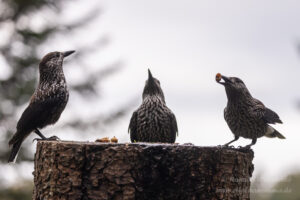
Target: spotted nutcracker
153,121
46,104
246,116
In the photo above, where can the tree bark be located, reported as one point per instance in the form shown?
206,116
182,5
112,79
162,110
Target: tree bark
83,170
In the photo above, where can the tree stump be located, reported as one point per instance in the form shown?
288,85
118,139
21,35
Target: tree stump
89,170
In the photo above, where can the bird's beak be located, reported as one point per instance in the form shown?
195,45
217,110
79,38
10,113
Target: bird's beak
67,53
150,77
226,80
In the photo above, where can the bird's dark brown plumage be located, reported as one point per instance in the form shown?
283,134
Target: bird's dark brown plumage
153,121
246,116
46,104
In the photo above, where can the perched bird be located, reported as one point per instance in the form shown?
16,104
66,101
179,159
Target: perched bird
246,116
153,121
46,104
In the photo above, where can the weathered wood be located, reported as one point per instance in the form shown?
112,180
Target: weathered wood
81,170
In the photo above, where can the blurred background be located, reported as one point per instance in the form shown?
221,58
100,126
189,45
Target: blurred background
184,45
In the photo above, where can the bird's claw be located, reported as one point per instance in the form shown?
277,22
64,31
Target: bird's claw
37,139
188,144
52,138
227,146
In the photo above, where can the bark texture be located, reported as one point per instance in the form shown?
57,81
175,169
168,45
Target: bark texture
82,170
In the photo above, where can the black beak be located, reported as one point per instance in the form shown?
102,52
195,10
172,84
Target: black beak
150,77
67,53
226,80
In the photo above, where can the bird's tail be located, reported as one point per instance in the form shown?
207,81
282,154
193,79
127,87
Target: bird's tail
16,142
272,133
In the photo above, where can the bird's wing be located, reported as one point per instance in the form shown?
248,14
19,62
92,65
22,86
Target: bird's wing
174,127
132,129
29,116
265,113
36,113
271,117
27,122
257,108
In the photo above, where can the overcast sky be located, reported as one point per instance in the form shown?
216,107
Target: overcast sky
185,43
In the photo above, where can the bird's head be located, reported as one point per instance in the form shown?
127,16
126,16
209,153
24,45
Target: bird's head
235,87
152,87
53,61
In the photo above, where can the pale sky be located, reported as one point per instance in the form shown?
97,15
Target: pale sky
185,43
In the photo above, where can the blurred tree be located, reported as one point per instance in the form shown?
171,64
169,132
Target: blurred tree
26,26
22,191
285,189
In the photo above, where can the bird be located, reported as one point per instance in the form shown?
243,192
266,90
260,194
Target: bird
47,102
153,121
245,115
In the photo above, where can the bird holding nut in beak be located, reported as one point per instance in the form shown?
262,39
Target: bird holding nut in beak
246,116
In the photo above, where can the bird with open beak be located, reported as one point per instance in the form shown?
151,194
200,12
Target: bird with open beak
153,121
246,116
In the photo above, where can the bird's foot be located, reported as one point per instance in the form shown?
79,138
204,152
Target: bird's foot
52,138
245,147
188,144
37,139
227,146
